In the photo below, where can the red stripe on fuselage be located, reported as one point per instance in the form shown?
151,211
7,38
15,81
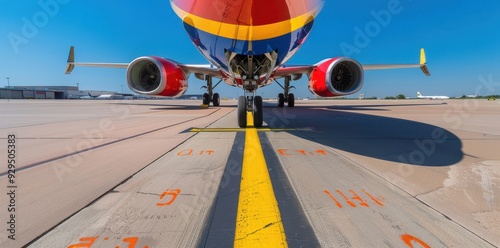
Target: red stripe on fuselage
248,12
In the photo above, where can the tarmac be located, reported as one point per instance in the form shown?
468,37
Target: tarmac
332,173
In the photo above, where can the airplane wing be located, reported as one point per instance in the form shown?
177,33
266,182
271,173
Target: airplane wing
295,70
198,70
208,70
422,65
71,63
201,70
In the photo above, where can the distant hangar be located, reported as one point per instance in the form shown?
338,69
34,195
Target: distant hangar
47,92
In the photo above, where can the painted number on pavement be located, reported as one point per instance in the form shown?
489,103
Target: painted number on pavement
291,152
170,196
87,242
352,198
191,152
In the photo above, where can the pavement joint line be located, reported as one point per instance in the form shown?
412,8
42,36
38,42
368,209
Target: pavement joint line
258,219
29,166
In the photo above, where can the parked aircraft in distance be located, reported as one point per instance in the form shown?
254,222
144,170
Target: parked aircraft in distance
116,96
247,43
105,96
432,97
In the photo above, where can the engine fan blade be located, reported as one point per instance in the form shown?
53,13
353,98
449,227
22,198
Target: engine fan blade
342,77
150,76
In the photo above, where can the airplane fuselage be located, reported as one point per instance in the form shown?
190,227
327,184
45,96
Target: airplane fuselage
432,97
248,39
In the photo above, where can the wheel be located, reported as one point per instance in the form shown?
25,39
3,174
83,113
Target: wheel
291,100
242,111
216,100
281,100
206,99
257,111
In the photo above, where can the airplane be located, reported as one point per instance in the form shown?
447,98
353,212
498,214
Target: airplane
115,96
90,96
247,44
432,97
106,96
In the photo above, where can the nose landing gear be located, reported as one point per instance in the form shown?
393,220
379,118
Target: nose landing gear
250,103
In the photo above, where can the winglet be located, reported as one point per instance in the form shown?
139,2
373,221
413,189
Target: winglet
423,63
423,60
71,60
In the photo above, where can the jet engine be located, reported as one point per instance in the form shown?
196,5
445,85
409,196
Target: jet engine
336,77
157,77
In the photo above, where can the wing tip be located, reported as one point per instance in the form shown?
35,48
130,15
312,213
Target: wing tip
71,60
423,59
423,63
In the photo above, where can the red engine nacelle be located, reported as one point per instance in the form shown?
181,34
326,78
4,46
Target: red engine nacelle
336,77
156,76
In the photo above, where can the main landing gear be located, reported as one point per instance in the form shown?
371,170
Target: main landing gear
250,103
286,97
210,97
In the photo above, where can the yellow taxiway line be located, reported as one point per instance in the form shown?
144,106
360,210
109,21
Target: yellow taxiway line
233,130
258,222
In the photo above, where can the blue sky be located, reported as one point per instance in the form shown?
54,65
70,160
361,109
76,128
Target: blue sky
461,38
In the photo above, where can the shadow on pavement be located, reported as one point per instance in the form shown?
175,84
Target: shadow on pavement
384,138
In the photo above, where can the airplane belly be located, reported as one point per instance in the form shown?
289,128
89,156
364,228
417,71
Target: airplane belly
214,47
250,27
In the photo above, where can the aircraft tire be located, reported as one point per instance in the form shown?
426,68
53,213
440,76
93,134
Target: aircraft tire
216,100
242,111
258,114
291,100
281,100
206,99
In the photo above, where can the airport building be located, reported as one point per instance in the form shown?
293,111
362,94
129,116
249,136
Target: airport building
73,92
48,92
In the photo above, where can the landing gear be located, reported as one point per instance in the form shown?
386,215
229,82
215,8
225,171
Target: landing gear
250,103
210,97
287,97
